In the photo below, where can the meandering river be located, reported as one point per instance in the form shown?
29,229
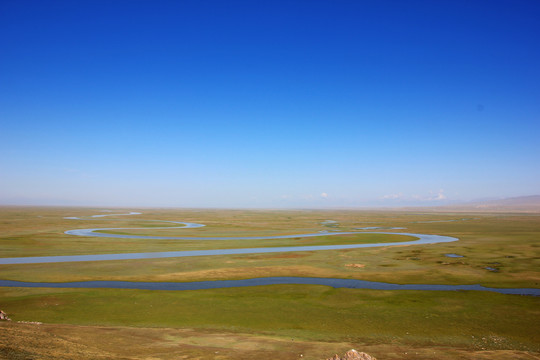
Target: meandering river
200,285
421,239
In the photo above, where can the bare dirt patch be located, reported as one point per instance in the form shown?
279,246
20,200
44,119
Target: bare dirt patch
356,265
50,341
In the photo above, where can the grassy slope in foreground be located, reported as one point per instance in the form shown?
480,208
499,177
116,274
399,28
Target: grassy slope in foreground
53,342
309,313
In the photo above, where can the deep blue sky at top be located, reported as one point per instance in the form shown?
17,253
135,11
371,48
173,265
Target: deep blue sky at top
268,103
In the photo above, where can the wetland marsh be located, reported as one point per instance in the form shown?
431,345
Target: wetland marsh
435,324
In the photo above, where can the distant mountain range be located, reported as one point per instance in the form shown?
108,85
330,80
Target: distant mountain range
514,204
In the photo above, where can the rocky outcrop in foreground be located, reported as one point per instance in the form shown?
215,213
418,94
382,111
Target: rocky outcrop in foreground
3,316
353,355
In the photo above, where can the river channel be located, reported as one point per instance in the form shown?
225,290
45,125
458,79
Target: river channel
201,285
421,239
219,284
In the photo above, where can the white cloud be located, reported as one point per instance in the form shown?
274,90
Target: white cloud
392,196
435,197
440,195
432,196
324,195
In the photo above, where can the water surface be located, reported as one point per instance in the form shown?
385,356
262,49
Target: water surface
219,284
422,239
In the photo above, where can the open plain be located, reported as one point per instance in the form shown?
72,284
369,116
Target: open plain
498,250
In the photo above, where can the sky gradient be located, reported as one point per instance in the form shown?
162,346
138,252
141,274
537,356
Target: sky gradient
280,104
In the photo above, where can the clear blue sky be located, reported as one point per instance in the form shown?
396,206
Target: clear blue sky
268,103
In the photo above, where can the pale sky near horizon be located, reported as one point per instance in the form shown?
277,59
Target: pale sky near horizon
280,104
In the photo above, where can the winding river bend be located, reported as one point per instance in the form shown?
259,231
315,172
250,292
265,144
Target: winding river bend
201,285
421,239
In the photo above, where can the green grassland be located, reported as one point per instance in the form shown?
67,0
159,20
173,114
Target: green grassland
436,325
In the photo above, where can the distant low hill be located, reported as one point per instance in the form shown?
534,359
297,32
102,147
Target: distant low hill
513,204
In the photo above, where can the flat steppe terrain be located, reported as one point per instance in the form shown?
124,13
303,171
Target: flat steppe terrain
499,250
